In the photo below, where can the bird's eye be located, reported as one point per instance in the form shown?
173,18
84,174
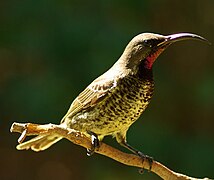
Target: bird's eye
147,43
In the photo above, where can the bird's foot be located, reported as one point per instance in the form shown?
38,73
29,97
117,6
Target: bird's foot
135,151
147,158
94,143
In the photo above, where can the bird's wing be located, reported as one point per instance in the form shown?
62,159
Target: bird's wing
91,96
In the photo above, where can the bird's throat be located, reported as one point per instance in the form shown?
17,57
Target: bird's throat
148,62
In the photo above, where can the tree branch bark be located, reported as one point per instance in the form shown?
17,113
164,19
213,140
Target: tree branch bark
28,129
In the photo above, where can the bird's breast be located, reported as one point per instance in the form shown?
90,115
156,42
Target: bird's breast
119,109
129,100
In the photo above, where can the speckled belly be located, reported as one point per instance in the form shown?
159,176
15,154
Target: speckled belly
118,110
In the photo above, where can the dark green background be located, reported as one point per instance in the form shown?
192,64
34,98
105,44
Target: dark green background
51,50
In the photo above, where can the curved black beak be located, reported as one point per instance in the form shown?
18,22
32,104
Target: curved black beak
182,36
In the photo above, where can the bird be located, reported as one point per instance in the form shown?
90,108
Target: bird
117,98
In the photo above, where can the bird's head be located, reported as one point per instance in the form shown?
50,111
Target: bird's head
146,47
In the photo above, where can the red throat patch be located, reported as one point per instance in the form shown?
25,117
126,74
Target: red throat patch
151,58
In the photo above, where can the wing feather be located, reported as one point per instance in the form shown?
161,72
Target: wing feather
91,96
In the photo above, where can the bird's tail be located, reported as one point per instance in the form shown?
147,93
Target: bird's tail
39,143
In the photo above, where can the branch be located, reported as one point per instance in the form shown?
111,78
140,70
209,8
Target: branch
28,129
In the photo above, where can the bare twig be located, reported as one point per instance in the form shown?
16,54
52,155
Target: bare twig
28,129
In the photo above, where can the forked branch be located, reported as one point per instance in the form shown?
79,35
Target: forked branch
28,129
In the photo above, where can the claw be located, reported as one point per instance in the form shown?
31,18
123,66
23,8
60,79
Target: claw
148,158
90,152
94,143
141,171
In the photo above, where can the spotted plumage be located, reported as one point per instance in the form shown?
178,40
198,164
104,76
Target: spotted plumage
115,108
116,99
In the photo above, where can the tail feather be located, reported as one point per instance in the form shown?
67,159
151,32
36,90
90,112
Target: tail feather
39,143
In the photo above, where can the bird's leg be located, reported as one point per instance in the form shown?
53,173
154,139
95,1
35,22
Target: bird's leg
94,143
122,141
135,151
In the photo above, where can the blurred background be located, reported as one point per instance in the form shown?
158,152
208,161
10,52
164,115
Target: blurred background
51,50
